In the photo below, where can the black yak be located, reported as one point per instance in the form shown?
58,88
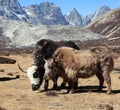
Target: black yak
44,50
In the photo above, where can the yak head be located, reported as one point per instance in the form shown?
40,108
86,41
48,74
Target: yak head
44,49
50,69
35,75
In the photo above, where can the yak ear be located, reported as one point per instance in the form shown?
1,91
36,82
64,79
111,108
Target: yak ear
38,47
45,43
24,71
48,60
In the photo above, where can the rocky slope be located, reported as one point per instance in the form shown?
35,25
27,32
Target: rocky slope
108,25
25,34
4,41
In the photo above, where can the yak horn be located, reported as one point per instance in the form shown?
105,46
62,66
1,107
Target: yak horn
21,69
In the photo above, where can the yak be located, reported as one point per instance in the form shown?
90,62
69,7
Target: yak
72,64
44,50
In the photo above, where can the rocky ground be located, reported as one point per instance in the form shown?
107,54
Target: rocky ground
16,93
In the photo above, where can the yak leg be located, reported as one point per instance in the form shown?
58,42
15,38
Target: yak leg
101,80
76,84
63,84
71,87
55,82
46,84
107,78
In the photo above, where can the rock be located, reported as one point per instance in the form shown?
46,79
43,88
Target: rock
7,60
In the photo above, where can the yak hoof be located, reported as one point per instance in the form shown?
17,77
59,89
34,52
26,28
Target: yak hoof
63,85
46,88
70,91
99,89
55,87
108,92
76,86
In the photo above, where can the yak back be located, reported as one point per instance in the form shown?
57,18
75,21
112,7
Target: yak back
47,47
98,54
69,56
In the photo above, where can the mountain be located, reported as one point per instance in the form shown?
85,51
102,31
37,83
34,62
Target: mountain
39,18
26,34
11,9
108,25
97,14
100,12
46,13
75,19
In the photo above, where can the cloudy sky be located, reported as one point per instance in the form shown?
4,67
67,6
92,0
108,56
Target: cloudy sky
84,7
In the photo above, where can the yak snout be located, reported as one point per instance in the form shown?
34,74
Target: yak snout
35,87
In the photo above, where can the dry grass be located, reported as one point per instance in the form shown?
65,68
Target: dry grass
16,92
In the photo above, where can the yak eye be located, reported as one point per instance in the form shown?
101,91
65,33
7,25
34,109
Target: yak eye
37,56
35,75
50,66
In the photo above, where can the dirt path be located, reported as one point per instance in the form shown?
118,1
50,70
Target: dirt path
16,93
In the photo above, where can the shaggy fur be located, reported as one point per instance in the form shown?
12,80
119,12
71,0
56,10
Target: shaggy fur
44,50
72,64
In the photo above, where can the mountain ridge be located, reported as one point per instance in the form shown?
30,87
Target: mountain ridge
11,9
26,34
75,19
45,13
108,24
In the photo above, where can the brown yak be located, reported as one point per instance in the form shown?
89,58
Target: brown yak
72,64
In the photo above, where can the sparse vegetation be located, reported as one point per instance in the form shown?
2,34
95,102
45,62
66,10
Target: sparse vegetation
16,92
